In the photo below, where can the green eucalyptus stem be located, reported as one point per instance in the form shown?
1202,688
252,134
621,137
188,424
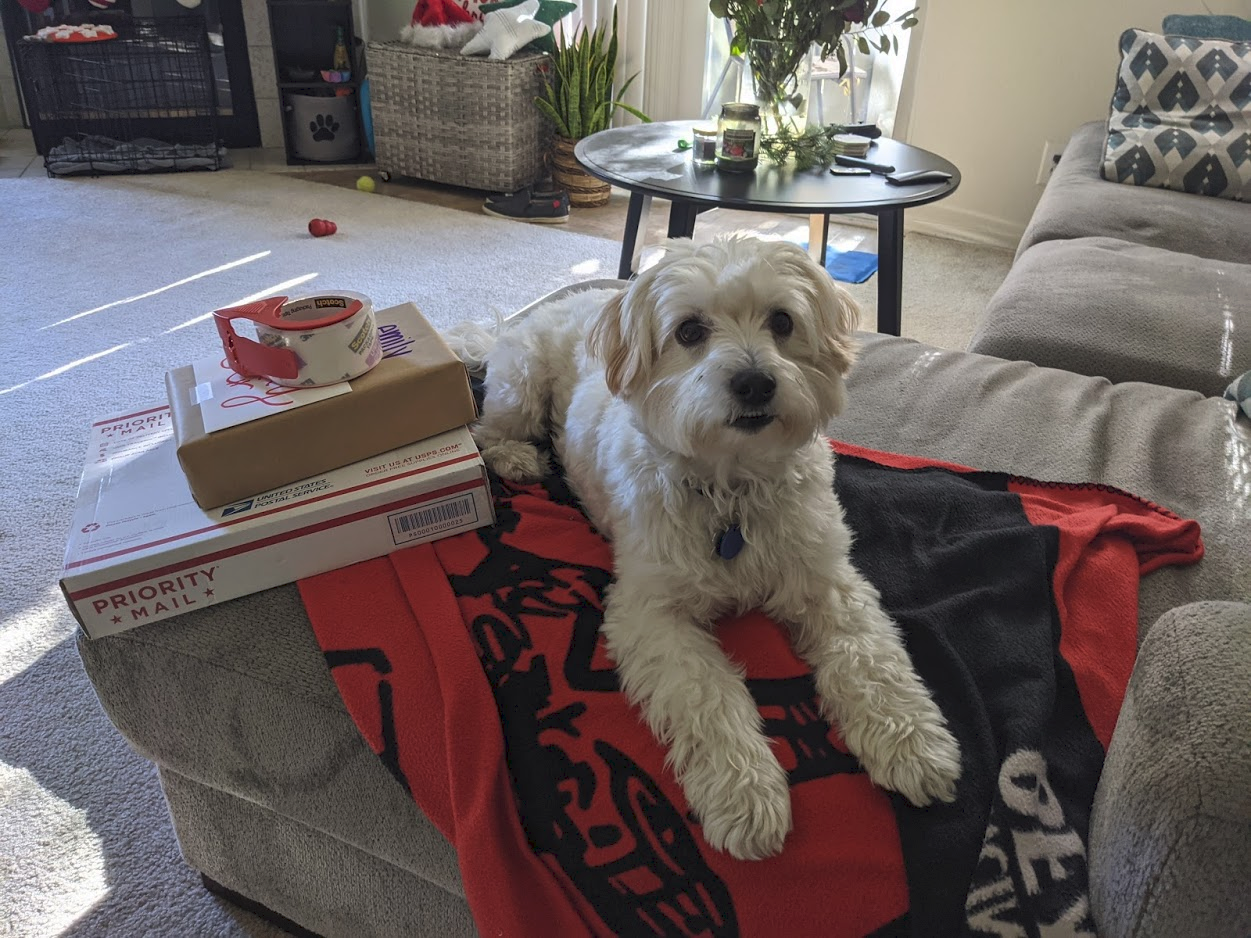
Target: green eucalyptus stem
811,149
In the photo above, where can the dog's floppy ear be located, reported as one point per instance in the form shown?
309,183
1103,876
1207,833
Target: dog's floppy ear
837,319
622,343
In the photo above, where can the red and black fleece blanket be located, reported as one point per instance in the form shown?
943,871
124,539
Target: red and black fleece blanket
474,668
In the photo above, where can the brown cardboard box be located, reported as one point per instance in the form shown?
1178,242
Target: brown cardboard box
419,392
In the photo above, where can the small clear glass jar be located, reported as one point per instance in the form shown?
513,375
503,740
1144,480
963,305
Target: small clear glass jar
704,145
738,138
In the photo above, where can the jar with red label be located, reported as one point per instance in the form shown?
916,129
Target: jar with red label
738,138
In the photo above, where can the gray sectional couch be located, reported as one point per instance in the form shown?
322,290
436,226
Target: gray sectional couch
1126,282
275,795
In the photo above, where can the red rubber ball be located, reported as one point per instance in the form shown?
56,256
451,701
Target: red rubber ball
320,227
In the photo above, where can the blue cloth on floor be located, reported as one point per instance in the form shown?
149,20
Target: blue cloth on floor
848,266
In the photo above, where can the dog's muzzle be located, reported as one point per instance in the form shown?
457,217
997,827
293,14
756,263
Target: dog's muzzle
753,389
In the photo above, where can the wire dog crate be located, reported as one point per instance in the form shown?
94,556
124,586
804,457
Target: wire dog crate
143,102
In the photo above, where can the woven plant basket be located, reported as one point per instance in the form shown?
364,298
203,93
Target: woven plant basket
585,191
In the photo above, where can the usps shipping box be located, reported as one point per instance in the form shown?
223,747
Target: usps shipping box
141,550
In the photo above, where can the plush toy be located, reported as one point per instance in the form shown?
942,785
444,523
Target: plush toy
506,30
550,13
320,227
440,24
440,13
439,37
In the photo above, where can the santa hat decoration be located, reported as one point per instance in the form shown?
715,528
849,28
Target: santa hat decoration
35,6
432,13
102,4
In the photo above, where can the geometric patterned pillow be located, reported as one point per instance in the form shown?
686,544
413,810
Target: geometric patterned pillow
1181,115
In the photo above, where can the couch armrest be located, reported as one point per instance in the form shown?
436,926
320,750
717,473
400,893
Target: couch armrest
1170,838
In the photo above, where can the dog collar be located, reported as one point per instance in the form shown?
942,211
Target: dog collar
730,542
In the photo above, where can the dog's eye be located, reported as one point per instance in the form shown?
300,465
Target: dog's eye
781,324
691,332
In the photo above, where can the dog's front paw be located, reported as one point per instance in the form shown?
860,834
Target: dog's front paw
743,804
515,460
922,763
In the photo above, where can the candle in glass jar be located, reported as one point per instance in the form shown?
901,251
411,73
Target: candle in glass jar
738,132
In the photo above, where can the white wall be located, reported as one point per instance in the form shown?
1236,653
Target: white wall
385,18
992,80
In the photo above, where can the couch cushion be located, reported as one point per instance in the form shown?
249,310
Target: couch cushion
1181,115
1208,27
1125,312
1170,838
1078,203
1176,448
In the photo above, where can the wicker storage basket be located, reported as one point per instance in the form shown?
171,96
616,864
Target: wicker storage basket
461,120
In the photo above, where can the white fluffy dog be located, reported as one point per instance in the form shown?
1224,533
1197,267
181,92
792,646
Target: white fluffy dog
687,411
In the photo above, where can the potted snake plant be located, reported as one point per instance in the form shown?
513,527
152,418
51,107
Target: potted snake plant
580,99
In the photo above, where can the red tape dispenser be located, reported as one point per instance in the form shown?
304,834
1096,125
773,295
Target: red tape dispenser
307,342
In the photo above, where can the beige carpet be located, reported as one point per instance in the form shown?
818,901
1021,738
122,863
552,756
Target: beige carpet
107,283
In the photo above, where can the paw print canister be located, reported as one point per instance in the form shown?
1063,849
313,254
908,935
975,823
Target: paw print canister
306,342
323,126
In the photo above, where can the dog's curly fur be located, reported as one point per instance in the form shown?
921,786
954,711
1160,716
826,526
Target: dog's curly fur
693,400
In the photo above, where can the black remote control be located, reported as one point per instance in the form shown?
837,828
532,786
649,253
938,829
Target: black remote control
917,177
880,168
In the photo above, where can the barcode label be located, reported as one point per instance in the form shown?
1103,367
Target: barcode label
423,523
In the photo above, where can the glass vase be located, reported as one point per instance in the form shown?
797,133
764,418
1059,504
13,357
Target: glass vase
857,80
777,78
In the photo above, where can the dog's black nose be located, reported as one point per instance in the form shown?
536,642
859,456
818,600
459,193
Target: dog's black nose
753,387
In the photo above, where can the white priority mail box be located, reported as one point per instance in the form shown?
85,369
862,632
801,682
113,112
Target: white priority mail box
141,550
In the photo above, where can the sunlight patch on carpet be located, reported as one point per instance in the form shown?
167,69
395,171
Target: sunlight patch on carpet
67,367
587,268
275,290
51,895
27,636
168,286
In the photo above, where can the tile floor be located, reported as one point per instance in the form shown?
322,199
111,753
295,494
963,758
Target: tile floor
17,154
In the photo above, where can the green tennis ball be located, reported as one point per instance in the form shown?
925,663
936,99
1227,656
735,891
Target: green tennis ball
366,184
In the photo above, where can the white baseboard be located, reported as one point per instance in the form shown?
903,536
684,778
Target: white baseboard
955,224
961,224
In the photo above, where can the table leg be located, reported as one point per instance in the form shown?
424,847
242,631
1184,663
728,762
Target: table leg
890,238
682,219
818,235
631,243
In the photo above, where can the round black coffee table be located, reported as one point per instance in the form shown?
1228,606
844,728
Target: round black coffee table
644,159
